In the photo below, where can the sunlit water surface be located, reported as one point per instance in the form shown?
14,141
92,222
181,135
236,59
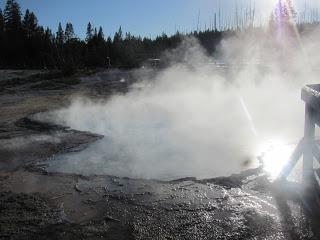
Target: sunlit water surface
274,155
271,156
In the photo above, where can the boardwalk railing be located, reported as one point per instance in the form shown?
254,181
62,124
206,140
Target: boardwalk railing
307,147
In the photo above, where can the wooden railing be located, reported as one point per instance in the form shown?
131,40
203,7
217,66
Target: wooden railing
308,146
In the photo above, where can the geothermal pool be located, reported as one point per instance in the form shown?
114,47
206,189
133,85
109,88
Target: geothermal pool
153,150
106,158
187,123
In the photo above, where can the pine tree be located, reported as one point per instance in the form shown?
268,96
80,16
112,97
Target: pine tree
26,17
109,46
1,22
117,47
118,36
2,40
69,32
30,23
89,34
15,54
100,34
95,33
12,17
60,35
48,34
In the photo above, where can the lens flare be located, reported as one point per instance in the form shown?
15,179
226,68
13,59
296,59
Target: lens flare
286,16
248,115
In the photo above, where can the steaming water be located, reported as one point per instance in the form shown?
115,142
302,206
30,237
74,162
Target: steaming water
203,128
198,120
273,158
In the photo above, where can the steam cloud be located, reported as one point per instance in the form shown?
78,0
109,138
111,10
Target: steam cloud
198,119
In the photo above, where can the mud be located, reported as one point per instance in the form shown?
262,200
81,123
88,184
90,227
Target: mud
37,204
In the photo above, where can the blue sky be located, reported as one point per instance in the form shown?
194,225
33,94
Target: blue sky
140,17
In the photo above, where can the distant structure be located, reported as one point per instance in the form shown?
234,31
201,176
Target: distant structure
154,62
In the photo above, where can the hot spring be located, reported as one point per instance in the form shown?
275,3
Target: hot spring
197,119
199,126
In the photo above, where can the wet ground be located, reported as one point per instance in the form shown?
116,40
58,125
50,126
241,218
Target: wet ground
37,204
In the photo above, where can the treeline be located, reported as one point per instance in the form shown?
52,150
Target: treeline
26,44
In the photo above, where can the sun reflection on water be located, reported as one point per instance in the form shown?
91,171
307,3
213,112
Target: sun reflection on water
274,155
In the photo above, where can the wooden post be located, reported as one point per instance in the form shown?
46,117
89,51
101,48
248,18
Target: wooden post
309,138
308,147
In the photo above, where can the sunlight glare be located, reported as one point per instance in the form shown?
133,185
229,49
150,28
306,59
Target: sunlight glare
273,156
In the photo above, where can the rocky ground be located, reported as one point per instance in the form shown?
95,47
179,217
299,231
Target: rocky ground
36,204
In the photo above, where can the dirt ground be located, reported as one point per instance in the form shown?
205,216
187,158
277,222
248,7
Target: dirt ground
37,204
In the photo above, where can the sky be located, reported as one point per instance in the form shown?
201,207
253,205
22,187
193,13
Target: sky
143,17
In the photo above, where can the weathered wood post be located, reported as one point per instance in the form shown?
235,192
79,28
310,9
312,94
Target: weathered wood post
309,138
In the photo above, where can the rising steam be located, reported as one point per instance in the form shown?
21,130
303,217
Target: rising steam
195,118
